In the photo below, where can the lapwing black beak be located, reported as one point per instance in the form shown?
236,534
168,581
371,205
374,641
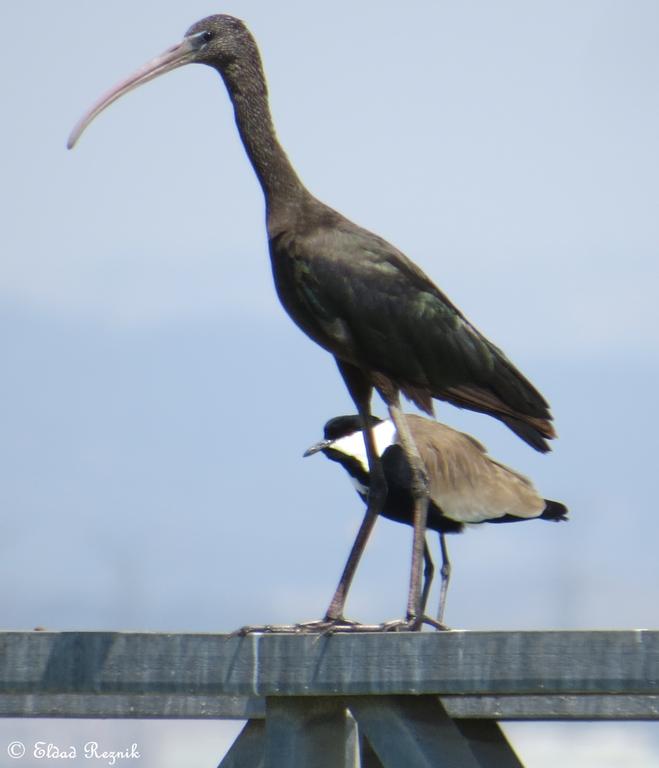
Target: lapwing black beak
317,447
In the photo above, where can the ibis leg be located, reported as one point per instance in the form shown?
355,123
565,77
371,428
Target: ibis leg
420,497
360,391
446,576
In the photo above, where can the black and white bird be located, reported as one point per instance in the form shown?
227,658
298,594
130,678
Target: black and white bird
466,485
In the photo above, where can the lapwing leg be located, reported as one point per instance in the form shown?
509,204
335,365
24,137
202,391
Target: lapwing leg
360,390
445,573
329,625
420,495
428,573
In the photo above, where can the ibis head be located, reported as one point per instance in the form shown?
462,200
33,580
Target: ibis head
222,42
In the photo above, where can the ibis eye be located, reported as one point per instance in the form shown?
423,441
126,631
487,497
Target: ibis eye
207,36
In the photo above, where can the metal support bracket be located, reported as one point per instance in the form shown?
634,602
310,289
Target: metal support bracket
367,732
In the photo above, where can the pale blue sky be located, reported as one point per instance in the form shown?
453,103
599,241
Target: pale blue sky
155,400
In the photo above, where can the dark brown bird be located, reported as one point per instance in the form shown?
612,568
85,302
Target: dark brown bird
386,323
466,485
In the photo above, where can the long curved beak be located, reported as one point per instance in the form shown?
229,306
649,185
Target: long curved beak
176,56
317,447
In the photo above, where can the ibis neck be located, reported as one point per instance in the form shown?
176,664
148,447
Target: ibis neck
279,181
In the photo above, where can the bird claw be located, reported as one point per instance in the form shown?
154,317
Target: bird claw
319,626
329,626
325,626
337,625
265,629
411,624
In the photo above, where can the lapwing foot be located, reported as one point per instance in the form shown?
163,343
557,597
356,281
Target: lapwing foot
264,629
328,626
331,626
319,626
413,624
323,625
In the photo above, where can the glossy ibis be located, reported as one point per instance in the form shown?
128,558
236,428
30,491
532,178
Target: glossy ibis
387,325
466,485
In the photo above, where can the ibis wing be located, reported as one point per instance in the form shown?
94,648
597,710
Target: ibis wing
392,315
373,307
368,304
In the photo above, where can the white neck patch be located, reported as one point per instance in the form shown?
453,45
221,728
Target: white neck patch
353,445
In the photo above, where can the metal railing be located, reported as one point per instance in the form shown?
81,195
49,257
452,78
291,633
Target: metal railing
403,700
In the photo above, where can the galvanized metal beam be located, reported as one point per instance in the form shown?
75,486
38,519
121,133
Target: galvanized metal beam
500,675
420,699
367,755
191,707
488,744
303,732
477,663
248,750
131,705
412,731
554,707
